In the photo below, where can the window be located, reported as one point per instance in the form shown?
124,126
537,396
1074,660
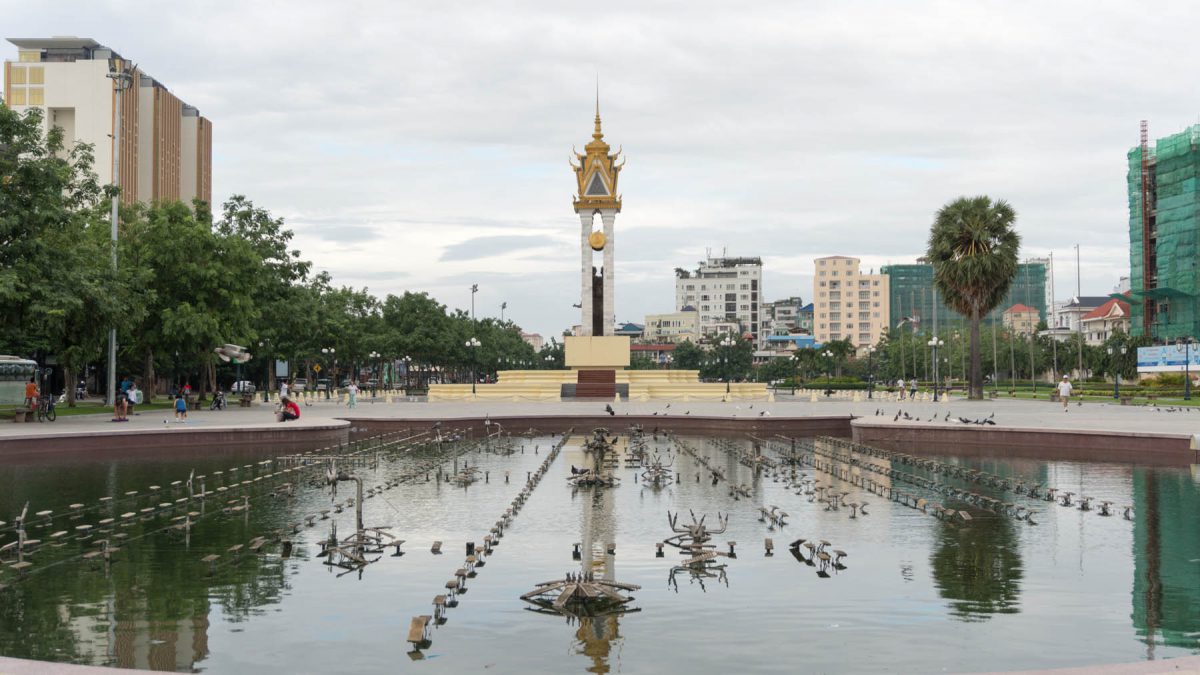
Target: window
875,293
834,273
876,283
37,75
30,55
876,315
821,273
822,264
876,304
822,284
37,96
16,96
17,75
745,287
690,287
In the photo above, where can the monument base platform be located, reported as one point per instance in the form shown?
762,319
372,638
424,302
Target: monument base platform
642,385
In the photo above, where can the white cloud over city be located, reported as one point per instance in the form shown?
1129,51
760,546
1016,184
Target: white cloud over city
424,146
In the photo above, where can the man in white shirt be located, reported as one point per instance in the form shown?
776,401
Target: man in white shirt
1064,392
900,385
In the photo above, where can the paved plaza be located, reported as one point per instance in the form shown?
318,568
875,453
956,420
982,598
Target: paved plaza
1011,414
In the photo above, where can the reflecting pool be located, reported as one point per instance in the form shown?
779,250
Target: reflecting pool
915,592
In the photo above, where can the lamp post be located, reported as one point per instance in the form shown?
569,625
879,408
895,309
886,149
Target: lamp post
829,368
122,78
934,343
1117,372
407,369
795,361
267,367
549,361
329,353
1187,364
726,344
870,371
374,355
472,345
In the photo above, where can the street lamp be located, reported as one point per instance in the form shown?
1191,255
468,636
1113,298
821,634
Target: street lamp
329,353
870,371
1117,373
726,343
266,367
934,343
1187,363
829,368
472,345
374,356
407,369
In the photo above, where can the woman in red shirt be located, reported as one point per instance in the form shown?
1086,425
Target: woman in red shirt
289,411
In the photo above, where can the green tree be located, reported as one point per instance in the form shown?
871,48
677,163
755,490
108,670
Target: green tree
973,249
687,356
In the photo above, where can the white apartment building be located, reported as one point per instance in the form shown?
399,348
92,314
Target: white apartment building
727,293
848,303
673,327
166,145
782,316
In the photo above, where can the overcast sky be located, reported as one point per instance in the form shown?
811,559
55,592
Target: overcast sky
423,146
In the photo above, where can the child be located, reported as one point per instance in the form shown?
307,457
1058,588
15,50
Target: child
180,408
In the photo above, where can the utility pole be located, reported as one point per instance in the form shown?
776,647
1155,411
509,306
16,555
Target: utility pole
1079,296
1054,319
122,79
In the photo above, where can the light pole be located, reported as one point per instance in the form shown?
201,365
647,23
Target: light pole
407,369
374,356
1117,372
472,345
934,343
267,367
870,371
829,367
122,79
329,353
1187,363
549,361
726,344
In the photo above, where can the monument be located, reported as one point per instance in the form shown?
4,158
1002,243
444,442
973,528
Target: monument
597,361
596,353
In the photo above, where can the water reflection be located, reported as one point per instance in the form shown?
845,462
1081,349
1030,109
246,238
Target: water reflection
978,568
1166,585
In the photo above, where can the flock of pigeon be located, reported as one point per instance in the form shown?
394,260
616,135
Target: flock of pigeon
900,414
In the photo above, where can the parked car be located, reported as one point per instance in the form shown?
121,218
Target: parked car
300,384
242,387
322,384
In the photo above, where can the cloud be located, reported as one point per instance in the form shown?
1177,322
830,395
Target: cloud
487,247
419,147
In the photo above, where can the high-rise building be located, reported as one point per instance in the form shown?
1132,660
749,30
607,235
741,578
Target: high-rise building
1164,230
727,292
166,145
911,296
848,303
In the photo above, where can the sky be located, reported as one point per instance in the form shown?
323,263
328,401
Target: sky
419,146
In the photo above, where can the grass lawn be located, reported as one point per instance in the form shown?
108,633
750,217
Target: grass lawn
89,408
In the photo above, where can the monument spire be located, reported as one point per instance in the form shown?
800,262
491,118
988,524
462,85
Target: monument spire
598,134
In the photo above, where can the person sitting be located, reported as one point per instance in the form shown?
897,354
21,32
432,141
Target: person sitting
288,410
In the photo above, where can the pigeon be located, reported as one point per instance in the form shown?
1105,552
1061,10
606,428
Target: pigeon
947,418
608,409
897,417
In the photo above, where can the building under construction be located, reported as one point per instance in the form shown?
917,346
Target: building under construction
1164,224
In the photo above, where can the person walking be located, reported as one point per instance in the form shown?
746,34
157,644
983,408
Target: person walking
180,408
900,386
912,389
1064,391
352,389
283,389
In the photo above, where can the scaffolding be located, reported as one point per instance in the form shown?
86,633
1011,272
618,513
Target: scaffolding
1164,224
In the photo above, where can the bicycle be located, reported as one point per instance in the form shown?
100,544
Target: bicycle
46,409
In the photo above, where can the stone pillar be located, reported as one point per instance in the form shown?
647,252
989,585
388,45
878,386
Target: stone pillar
609,216
585,288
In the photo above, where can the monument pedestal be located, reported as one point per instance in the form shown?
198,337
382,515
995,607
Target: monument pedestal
597,352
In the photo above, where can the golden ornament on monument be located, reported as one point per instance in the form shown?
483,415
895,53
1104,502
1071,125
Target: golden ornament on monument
596,240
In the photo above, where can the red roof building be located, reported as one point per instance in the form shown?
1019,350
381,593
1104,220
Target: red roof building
1100,323
1021,319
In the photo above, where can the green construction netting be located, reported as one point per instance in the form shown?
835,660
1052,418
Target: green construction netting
1173,187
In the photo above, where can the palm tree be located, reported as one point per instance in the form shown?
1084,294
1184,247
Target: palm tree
973,250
